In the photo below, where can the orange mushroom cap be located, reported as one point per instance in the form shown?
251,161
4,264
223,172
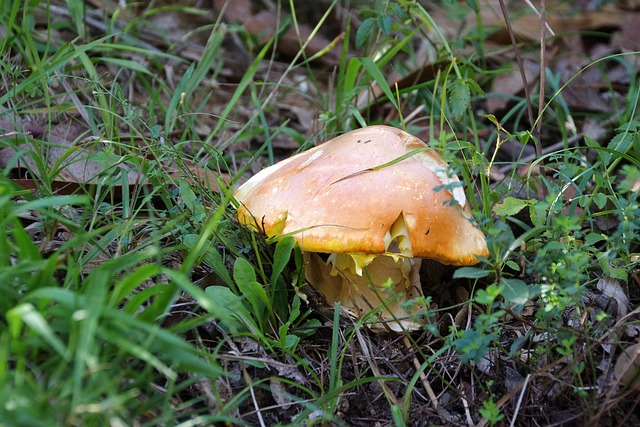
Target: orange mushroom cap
344,196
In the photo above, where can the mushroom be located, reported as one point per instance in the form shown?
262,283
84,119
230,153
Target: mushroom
364,208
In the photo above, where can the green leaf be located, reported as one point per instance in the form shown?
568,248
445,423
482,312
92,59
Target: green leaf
126,63
483,297
76,10
191,201
473,345
591,143
363,32
214,260
611,271
631,179
493,119
511,206
593,238
474,86
619,143
243,272
351,75
470,273
515,291
622,141
230,310
281,256
251,289
459,98
600,200
539,214
384,22
399,12
127,286
375,73
255,293
27,314
512,265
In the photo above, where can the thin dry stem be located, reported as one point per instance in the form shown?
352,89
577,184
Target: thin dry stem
374,367
256,405
423,377
516,51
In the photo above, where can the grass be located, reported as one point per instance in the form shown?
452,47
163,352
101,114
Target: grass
130,295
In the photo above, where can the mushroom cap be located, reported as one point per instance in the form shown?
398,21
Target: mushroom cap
343,196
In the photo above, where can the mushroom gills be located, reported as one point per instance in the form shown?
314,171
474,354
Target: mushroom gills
397,246
362,282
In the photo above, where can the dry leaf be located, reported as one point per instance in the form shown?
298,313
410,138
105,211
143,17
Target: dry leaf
627,368
510,83
611,288
264,24
280,394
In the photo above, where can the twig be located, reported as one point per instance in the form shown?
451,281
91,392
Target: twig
247,379
538,129
520,397
423,377
514,42
539,15
466,411
505,398
374,368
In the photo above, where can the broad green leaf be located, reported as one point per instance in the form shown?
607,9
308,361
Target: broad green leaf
470,273
399,12
230,310
538,214
214,260
384,23
611,271
600,200
473,344
511,206
619,144
593,238
515,290
243,272
191,201
281,256
474,86
631,178
459,98
255,293
512,265
483,297
363,31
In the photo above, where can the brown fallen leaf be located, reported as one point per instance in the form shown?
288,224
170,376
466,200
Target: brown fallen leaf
559,20
264,25
70,157
627,367
511,84
72,166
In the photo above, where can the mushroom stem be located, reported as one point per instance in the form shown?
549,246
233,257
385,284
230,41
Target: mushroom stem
388,281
